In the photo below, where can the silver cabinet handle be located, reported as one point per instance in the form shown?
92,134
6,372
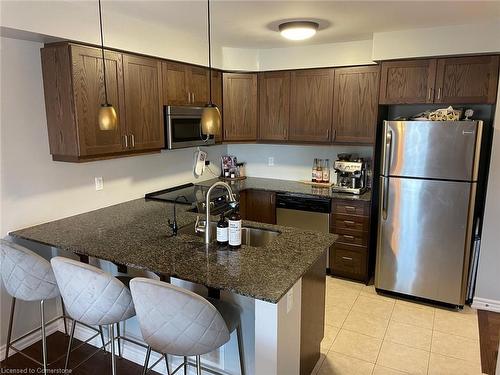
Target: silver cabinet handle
126,141
132,138
429,94
348,222
328,134
347,258
348,237
192,94
439,94
350,208
334,135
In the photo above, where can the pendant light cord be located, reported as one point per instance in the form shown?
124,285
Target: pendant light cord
103,60
209,53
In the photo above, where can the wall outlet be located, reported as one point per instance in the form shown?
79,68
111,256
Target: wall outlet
99,183
270,161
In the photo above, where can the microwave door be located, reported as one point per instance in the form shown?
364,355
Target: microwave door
184,131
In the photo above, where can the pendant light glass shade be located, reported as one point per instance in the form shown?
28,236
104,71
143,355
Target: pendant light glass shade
108,120
211,120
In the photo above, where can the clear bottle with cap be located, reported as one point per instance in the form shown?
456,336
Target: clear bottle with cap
234,239
222,231
326,171
314,170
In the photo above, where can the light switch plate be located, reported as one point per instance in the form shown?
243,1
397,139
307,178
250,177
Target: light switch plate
270,161
99,183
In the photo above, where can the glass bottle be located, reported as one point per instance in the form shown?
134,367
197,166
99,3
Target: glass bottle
326,171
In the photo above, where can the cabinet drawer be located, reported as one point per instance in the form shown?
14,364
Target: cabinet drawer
350,222
351,237
351,208
347,262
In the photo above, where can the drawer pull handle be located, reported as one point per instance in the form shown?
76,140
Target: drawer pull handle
348,237
348,222
350,208
347,258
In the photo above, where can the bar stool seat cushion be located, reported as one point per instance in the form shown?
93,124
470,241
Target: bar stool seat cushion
230,313
26,275
91,295
177,321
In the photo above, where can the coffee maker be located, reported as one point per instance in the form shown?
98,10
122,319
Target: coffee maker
351,174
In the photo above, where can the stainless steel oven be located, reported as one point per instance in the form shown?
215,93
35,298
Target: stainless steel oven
183,127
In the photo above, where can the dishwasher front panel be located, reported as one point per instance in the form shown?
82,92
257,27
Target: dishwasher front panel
318,222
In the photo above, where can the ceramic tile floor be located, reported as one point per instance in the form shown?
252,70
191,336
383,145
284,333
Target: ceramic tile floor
366,333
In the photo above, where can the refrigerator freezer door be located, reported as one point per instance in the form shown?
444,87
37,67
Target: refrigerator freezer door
444,150
423,241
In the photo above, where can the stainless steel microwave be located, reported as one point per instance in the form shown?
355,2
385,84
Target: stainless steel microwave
183,127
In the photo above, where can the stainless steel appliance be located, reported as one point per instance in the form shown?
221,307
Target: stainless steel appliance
429,172
304,212
351,175
183,127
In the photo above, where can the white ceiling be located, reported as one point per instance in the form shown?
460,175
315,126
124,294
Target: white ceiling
253,24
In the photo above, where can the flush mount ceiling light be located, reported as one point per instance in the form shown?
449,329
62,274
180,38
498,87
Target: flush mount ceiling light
298,30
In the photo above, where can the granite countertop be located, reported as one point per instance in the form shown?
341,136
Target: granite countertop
136,234
287,186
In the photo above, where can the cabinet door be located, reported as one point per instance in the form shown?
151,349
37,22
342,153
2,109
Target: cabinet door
88,90
260,206
407,82
175,83
467,80
198,86
217,97
144,104
355,104
274,105
240,106
311,105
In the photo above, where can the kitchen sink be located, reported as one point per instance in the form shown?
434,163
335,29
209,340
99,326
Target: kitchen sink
255,237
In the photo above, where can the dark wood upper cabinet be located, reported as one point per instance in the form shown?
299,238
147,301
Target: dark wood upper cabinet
198,85
175,90
274,106
467,80
407,82
143,102
184,84
355,104
88,89
258,205
311,105
240,106
217,96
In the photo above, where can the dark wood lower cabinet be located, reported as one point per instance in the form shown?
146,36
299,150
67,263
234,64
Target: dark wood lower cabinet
312,318
258,205
350,255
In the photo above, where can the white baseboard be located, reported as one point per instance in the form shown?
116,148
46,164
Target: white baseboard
486,304
31,339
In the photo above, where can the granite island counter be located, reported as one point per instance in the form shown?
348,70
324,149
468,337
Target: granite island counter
268,282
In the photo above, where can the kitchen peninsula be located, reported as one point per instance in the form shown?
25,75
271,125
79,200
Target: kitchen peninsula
278,277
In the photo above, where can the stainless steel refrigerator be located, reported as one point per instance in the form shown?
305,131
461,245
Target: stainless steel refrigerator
429,172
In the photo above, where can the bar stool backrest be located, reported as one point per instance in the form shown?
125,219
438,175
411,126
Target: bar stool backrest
91,295
176,321
26,275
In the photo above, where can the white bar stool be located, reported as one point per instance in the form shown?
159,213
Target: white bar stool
179,322
29,277
93,297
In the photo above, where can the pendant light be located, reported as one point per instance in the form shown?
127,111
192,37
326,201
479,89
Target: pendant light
107,115
210,117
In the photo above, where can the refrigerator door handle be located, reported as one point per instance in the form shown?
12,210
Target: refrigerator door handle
385,196
387,153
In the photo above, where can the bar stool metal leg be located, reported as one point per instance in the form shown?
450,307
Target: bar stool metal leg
44,338
112,340
118,339
146,361
64,317
239,335
185,365
198,365
9,332
102,339
72,334
166,363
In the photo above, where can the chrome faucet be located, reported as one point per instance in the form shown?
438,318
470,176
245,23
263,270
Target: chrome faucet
232,203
